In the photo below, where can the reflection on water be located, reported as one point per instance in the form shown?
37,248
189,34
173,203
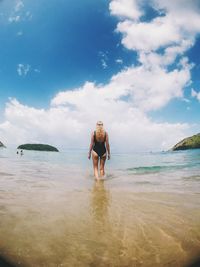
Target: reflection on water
99,203
105,243
109,248
100,200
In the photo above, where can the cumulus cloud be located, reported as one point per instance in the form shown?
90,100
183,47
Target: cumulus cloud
73,114
126,8
177,27
125,101
67,126
31,124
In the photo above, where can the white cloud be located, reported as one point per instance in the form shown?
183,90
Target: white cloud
73,113
128,127
104,63
119,61
28,15
186,100
19,13
23,69
174,31
195,94
14,18
161,32
104,59
20,33
19,5
37,70
16,15
125,8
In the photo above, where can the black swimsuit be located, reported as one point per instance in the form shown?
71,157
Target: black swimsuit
99,147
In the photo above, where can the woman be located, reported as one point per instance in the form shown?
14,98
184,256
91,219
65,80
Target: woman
97,147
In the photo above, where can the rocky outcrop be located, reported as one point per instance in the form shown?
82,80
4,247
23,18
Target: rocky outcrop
38,147
191,142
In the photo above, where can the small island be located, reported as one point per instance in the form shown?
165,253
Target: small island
38,147
1,144
191,142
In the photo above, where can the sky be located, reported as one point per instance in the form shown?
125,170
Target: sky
134,64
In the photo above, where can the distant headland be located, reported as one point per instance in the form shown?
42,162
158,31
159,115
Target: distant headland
38,147
191,142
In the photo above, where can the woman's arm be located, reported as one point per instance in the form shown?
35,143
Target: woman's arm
107,145
91,145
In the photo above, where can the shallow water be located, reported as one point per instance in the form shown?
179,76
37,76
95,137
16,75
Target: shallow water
145,213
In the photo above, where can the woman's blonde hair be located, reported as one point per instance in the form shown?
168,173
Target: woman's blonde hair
100,132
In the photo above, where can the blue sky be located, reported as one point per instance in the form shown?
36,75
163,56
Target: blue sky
50,49
66,41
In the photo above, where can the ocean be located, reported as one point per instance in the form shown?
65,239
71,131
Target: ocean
146,211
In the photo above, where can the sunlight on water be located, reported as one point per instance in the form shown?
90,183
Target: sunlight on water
53,214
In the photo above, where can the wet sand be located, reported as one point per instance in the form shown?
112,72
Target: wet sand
49,223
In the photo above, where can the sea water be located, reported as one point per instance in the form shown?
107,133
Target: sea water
145,212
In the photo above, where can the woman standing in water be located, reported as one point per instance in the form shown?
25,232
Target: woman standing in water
98,149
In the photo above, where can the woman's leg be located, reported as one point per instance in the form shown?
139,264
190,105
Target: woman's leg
95,159
102,164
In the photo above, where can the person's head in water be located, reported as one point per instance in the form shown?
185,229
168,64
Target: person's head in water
100,130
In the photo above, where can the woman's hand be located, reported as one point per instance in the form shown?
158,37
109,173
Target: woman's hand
108,156
89,155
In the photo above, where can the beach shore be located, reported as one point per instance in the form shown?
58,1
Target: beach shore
99,226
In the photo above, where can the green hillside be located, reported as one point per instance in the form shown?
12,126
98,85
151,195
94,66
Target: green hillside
191,142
